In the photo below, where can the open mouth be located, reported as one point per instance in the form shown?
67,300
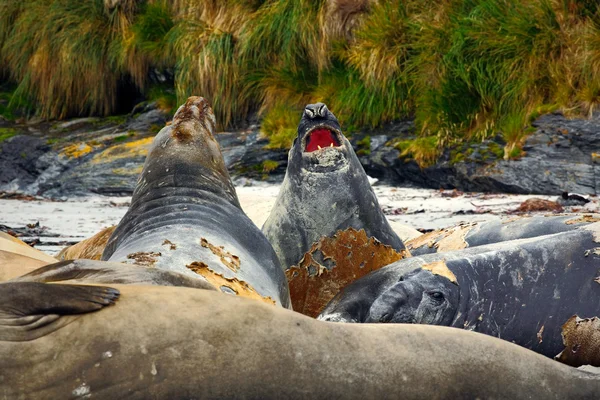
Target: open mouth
319,138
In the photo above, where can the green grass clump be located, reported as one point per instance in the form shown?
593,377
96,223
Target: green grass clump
466,70
280,126
269,166
423,150
6,133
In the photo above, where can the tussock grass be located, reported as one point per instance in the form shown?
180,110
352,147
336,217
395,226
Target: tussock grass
465,69
280,126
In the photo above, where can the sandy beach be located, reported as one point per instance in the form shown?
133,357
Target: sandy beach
407,209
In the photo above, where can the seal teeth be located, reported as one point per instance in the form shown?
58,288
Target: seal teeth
319,147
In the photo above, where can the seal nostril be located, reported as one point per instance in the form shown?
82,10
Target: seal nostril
385,318
323,110
309,113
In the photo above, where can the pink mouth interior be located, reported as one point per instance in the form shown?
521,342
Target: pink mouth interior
319,138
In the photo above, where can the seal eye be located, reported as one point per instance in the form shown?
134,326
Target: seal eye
437,296
401,279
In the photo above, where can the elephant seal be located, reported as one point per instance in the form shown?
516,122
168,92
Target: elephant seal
18,258
326,225
104,272
202,344
477,234
521,291
185,216
325,190
90,248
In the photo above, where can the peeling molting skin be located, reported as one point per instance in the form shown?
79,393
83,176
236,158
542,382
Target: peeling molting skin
331,264
440,268
231,261
145,259
228,285
581,338
443,240
583,219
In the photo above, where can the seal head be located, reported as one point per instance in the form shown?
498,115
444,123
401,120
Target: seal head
320,146
419,297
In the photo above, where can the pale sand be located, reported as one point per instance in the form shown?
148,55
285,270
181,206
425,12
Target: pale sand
78,219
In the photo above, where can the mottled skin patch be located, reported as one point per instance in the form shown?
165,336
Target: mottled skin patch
240,288
89,249
229,260
444,239
146,259
585,218
348,255
581,337
440,268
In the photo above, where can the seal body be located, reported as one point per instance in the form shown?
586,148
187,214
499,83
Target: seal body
185,216
522,291
478,234
18,258
325,190
204,345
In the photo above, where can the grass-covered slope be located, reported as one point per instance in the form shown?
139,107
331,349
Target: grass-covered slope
464,69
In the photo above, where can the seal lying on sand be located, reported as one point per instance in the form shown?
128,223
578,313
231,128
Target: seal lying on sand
185,216
18,258
521,291
105,272
325,190
200,344
477,234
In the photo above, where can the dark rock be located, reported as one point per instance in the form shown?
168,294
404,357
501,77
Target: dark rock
562,155
19,157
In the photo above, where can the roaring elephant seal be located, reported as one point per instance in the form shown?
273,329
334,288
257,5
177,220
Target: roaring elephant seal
522,291
481,233
202,344
326,225
185,216
325,190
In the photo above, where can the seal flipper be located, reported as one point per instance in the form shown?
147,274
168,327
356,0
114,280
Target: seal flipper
28,308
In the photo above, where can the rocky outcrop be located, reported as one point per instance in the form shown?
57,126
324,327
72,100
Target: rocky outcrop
561,155
105,156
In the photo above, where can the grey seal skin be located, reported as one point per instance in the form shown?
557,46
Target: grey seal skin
204,345
185,216
478,234
325,189
522,291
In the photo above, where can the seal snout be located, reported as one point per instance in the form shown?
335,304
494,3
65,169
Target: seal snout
313,111
197,109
